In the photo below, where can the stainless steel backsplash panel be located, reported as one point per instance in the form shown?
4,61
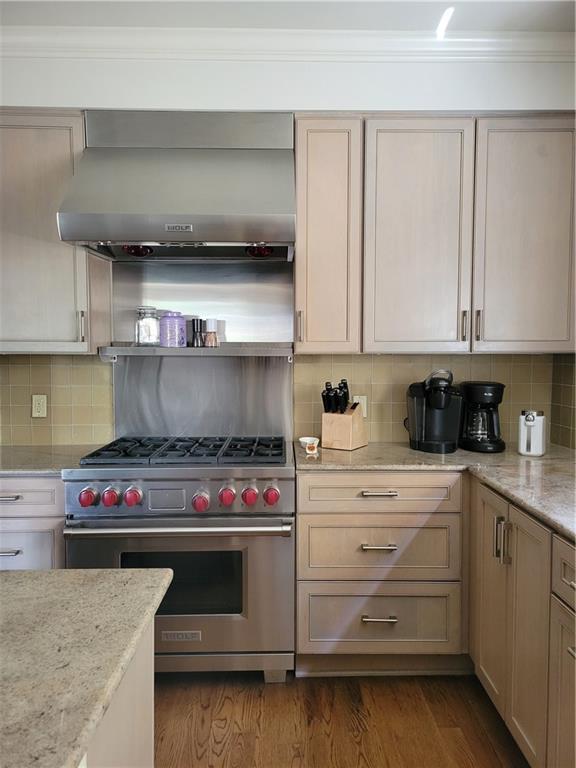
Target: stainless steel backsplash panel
203,396
252,301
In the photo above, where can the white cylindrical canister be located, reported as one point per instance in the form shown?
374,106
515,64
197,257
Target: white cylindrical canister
532,433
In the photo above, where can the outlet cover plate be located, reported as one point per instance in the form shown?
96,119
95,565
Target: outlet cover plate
39,406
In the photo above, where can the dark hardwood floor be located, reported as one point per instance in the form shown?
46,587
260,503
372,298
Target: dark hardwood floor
209,721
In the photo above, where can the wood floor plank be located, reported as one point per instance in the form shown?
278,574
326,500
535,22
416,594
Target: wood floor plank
236,721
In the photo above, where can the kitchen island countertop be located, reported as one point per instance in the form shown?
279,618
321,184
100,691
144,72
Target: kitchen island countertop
66,639
544,486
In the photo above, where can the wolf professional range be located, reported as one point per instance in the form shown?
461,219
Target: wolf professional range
217,510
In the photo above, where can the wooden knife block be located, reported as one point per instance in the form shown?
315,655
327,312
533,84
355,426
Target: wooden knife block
344,431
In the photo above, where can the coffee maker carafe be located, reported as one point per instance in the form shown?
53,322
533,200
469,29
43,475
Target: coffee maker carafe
434,408
480,421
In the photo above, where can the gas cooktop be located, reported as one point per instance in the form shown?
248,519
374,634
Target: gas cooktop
183,450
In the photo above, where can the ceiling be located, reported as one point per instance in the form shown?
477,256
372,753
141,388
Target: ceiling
472,16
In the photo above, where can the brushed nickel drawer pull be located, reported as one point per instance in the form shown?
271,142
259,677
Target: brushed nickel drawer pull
389,620
496,545
11,552
379,494
572,652
370,547
12,497
572,584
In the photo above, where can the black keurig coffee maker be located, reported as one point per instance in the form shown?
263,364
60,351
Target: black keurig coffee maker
434,407
480,421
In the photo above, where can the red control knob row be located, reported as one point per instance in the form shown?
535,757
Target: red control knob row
133,496
227,496
111,497
201,501
88,497
271,495
250,496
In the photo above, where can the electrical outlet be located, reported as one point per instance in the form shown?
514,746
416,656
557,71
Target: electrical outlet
39,406
363,400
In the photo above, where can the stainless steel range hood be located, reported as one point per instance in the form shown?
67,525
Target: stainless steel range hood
183,185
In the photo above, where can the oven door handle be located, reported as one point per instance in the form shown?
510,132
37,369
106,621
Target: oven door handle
285,529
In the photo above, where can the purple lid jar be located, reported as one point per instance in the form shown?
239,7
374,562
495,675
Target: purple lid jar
172,330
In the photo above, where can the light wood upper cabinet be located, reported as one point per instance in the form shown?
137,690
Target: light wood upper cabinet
524,246
53,297
418,234
328,259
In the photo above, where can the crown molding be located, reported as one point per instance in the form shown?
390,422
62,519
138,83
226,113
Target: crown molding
250,45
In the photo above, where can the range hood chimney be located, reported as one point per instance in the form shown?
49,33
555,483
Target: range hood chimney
183,185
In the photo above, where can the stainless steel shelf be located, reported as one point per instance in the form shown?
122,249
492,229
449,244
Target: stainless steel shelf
226,349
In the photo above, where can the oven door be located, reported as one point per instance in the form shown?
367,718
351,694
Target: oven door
233,585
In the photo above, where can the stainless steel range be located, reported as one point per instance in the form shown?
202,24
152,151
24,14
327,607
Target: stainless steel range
219,511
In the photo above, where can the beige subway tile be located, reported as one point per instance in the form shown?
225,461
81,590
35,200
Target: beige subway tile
398,433
303,393
82,414
40,375
380,431
5,435
399,411
81,376
303,412
381,392
19,375
399,392
317,411
5,415
20,396
19,359
567,375
41,435
103,433
521,373
61,415
541,393
21,415
41,360
61,395
481,368
61,360
102,395
567,395
61,375
305,429
380,412
102,414
81,434
4,375
102,374
61,435
344,372
83,361
81,395
501,371
4,394
521,393
21,435
542,373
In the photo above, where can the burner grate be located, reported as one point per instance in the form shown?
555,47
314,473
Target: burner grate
190,450
126,450
254,450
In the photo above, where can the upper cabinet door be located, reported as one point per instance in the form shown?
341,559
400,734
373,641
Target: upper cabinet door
43,281
328,259
418,234
524,248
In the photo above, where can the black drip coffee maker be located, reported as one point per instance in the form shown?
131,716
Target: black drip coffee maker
480,420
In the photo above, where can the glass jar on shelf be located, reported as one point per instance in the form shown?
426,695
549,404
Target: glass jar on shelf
172,329
211,334
147,331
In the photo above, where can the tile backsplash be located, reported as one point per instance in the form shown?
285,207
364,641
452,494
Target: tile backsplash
79,391
563,430
385,378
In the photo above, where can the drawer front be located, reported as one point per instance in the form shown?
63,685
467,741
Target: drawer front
563,570
373,547
31,497
421,492
343,617
26,550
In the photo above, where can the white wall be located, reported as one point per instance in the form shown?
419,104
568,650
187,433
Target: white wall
259,70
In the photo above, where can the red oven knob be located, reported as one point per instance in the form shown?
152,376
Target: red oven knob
271,495
111,497
250,496
88,497
200,501
133,496
226,496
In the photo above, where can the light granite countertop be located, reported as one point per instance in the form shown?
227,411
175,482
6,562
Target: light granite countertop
66,639
544,486
23,460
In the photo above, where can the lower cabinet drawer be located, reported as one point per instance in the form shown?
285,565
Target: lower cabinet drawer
26,550
374,547
374,617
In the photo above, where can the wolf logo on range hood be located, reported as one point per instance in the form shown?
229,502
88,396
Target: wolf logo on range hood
221,185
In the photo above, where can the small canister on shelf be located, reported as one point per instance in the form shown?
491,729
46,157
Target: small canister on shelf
147,327
532,433
172,329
